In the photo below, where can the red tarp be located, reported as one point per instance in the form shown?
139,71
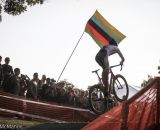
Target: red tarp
141,112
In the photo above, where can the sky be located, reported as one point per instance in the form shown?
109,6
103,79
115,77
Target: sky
43,38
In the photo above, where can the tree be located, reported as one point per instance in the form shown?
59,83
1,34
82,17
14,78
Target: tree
65,83
146,82
150,79
16,7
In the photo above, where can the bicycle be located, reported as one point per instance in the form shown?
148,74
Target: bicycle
99,101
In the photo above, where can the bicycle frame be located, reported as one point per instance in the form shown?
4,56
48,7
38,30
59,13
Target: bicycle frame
101,99
99,78
110,87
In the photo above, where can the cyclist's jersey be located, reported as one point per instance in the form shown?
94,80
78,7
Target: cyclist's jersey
102,55
111,49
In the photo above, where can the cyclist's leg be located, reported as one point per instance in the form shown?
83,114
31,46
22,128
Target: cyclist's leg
102,59
105,73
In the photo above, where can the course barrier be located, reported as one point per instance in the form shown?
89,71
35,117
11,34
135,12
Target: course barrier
15,105
141,112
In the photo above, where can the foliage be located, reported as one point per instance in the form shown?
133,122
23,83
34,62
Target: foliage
150,79
33,2
146,82
16,7
65,83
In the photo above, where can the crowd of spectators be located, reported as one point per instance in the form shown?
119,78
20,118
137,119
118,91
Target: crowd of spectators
44,89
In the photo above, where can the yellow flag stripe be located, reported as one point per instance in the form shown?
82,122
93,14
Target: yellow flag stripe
118,36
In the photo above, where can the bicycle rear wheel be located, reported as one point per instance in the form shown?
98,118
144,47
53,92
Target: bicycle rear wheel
120,88
97,101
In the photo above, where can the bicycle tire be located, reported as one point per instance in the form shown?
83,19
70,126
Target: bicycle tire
119,83
97,99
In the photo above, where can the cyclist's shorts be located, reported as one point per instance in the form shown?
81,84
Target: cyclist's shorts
100,57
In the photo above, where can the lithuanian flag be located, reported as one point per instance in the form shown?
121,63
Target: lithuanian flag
102,31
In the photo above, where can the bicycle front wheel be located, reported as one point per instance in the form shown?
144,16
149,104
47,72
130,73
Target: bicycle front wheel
120,88
97,99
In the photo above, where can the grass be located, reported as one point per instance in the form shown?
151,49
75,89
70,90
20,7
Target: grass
38,125
18,122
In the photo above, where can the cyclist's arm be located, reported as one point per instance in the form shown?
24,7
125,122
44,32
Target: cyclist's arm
120,55
114,49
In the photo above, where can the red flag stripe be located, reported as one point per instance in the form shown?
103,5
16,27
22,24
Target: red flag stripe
97,35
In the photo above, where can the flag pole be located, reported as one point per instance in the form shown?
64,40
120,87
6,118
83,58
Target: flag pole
70,57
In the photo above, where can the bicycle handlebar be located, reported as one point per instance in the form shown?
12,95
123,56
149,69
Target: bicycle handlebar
95,71
116,66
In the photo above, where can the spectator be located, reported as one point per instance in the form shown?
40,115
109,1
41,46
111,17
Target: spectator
84,99
46,88
15,82
76,96
41,83
53,92
62,96
25,86
35,86
1,73
8,73
71,96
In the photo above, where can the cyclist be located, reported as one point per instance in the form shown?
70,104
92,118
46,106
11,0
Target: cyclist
102,59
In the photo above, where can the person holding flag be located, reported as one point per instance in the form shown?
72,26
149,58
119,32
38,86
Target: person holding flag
102,59
107,38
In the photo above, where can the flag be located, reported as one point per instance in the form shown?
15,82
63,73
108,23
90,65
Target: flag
102,31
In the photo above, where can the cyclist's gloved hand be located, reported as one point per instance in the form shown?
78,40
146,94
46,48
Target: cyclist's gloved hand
121,63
